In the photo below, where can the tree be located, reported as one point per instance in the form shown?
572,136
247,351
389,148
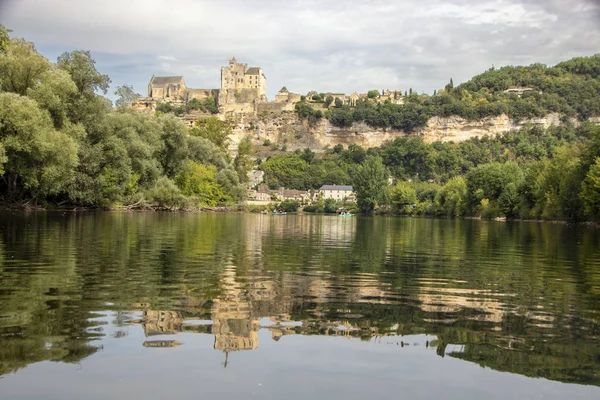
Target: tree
213,129
85,106
287,170
243,162
590,190
126,96
4,38
53,92
451,200
166,194
308,155
370,183
200,180
82,68
21,67
372,94
403,197
328,101
338,102
37,158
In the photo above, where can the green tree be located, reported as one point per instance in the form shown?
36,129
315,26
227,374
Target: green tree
4,38
243,162
21,67
164,193
287,170
372,94
82,68
370,182
328,101
590,190
126,95
37,158
213,129
308,155
451,199
86,106
201,181
403,197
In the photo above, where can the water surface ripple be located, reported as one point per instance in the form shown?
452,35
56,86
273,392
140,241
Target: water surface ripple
128,305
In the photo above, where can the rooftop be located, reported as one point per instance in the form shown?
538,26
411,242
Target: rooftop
253,71
165,80
337,187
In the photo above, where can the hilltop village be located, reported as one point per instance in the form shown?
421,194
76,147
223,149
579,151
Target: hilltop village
244,90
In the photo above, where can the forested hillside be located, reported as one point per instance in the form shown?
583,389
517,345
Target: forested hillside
571,88
531,173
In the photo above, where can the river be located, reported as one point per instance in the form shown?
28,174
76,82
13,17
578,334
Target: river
179,305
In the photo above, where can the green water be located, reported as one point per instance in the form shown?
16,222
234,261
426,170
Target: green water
155,305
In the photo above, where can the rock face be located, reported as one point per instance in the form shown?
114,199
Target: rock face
458,129
286,129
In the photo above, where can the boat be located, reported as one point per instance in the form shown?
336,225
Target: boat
346,215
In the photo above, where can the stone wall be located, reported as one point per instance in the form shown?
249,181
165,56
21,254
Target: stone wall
202,94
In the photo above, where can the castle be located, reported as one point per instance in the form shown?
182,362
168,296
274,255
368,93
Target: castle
243,91
239,76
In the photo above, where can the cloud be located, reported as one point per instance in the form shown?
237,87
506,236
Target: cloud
342,47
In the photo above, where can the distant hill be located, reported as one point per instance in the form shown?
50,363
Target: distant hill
571,89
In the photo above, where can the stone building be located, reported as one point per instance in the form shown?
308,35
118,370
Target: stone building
239,76
167,87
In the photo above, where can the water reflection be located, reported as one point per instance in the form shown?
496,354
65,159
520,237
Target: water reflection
517,297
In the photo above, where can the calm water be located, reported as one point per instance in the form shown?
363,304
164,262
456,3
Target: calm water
151,305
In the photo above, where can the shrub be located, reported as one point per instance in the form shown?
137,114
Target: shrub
166,194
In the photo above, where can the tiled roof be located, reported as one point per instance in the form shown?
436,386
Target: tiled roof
165,80
337,187
253,71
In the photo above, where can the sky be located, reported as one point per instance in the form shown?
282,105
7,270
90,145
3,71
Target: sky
329,46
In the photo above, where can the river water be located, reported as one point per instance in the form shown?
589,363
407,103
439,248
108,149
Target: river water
175,305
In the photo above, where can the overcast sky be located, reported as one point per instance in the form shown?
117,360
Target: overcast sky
339,46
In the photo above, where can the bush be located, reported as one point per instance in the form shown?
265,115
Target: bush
331,206
289,205
166,194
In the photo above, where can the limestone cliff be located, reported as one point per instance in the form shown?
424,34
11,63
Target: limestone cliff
286,129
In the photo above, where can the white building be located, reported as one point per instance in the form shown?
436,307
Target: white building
337,192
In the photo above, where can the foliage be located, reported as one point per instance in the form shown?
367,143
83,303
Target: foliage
126,96
372,94
289,205
590,190
571,88
305,111
403,197
199,180
370,182
243,163
208,105
21,66
164,193
213,129
61,143
451,199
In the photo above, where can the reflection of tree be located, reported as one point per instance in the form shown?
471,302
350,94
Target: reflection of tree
498,290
